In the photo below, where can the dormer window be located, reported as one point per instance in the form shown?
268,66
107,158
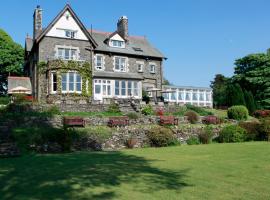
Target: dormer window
70,33
117,43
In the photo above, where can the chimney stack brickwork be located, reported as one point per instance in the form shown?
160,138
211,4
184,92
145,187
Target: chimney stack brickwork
37,22
122,27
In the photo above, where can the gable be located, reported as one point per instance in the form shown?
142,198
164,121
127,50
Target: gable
117,37
66,22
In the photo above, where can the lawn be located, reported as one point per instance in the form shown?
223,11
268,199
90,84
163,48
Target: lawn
216,171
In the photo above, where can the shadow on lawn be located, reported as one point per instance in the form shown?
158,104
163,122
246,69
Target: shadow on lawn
82,176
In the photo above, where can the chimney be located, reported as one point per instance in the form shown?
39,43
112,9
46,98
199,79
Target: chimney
122,27
37,22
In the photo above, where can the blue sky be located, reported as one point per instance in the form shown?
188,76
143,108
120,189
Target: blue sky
200,37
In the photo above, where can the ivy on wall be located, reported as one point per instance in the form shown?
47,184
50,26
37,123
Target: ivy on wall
60,66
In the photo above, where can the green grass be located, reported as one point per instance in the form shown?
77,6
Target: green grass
88,114
218,112
216,171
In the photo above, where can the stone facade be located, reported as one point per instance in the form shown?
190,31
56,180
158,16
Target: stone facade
45,48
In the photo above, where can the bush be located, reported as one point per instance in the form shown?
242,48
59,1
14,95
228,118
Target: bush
53,110
238,113
264,130
262,113
132,115
211,119
192,117
4,100
193,140
206,135
161,137
232,133
178,110
252,130
147,110
201,111
114,108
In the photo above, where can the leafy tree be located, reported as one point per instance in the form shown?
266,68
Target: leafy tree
11,59
235,95
219,86
252,72
250,103
166,82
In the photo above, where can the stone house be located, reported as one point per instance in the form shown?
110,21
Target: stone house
66,60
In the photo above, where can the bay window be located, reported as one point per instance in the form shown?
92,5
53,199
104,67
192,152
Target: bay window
71,82
125,88
102,87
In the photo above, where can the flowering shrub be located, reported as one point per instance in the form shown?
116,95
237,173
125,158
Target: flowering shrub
160,111
211,119
147,110
262,113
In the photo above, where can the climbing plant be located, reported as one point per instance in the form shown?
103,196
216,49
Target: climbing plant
62,67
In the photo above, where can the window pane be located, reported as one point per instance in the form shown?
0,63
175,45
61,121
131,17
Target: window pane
67,33
123,88
173,96
181,96
73,54
123,64
60,53
54,82
108,90
194,96
99,61
117,63
78,83
71,81
201,97
135,91
116,87
104,90
97,89
66,53
129,88
64,82
187,96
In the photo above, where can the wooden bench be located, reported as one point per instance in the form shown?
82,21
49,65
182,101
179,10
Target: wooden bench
118,121
168,120
74,121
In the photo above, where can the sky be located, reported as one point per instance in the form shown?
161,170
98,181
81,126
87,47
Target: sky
200,38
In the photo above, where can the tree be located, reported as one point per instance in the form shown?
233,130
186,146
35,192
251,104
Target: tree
235,95
219,86
166,82
250,103
252,72
11,59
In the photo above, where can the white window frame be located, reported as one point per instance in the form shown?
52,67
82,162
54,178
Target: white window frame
102,67
132,88
74,83
69,48
141,64
125,68
152,68
117,43
103,82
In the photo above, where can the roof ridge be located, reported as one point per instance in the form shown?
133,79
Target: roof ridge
109,33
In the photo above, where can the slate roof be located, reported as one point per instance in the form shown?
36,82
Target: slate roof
187,87
133,42
15,81
105,74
